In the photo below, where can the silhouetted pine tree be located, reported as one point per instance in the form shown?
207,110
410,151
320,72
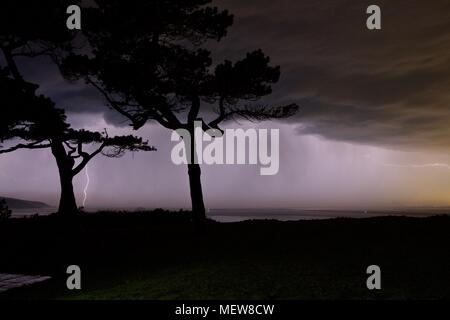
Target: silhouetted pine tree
148,59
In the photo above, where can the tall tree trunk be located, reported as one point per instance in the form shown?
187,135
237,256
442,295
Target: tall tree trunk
67,202
195,184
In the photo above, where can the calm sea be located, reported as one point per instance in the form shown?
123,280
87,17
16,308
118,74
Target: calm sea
235,215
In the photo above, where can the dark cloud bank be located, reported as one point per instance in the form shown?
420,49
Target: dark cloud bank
387,87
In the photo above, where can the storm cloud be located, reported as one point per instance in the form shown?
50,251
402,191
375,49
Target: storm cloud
374,111
385,87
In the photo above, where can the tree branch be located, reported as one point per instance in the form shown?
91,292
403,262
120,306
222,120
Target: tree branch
256,113
12,64
86,158
72,150
34,145
195,108
136,122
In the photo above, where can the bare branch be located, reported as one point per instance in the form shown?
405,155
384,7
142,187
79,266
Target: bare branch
86,158
72,150
34,145
137,121
256,113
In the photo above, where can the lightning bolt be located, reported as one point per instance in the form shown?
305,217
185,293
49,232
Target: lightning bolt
424,165
86,186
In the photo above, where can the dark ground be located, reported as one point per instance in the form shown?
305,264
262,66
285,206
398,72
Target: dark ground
162,256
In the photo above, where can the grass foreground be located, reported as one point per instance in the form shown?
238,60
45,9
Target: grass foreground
161,255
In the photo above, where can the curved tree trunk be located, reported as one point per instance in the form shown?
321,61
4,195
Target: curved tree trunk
67,202
195,184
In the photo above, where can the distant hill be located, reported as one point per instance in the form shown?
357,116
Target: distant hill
23,204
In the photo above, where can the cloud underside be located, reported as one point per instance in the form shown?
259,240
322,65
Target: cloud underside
388,87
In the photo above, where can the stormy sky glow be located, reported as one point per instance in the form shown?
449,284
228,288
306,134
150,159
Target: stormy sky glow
373,127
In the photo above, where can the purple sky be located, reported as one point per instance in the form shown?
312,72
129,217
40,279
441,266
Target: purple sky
374,110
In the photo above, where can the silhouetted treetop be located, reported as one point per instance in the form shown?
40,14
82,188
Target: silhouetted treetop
27,115
249,78
35,121
39,127
34,28
152,21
